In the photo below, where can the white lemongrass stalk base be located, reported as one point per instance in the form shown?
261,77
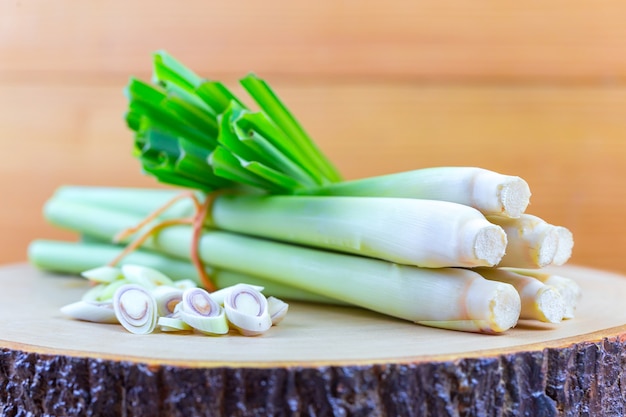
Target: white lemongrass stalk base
425,233
490,192
532,242
539,301
568,288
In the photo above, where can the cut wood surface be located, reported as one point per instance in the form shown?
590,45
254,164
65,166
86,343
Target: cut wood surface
320,360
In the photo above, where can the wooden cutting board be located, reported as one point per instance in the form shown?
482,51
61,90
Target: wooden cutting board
320,360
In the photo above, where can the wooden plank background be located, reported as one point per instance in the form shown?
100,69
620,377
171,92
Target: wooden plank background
534,89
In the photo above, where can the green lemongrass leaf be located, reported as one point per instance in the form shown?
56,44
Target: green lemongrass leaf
168,69
229,166
271,155
217,96
283,118
253,124
227,137
200,119
194,164
174,90
282,183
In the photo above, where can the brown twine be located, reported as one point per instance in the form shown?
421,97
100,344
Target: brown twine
202,212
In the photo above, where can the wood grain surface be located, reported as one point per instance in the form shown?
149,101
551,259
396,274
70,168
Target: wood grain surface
534,90
53,365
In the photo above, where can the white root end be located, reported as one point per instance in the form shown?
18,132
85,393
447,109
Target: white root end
491,307
549,305
565,246
514,196
489,245
505,308
568,289
502,195
532,242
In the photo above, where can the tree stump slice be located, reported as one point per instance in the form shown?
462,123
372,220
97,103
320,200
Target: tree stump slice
320,361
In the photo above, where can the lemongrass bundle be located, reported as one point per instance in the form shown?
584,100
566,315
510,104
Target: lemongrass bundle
446,297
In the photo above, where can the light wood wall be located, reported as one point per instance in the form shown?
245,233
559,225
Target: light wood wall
532,88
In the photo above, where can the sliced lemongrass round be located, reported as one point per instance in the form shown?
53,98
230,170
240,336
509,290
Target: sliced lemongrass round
183,284
202,313
172,324
145,276
103,274
135,308
277,309
221,294
167,298
108,291
91,311
247,311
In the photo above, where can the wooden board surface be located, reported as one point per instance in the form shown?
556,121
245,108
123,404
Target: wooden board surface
319,361
32,299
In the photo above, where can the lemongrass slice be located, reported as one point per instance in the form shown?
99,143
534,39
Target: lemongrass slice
532,242
221,294
103,274
146,277
172,324
94,294
568,288
277,309
97,312
167,298
184,284
539,301
425,233
202,313
135,308
247,310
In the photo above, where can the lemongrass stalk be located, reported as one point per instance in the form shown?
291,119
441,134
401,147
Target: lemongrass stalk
533,242
75,257
418,232
458,298
425,233
539,301
568,288
489,192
